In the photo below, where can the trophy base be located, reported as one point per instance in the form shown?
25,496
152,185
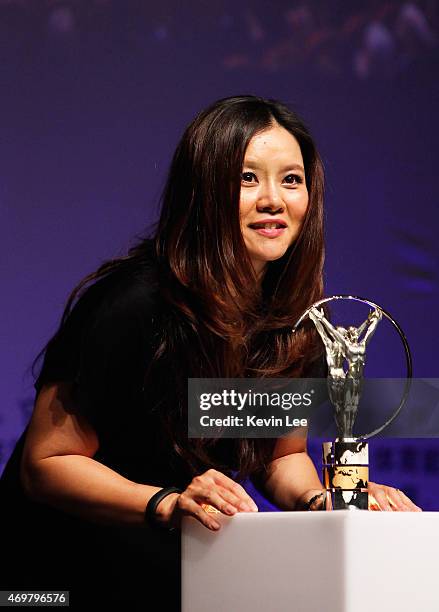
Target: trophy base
346,475
341,499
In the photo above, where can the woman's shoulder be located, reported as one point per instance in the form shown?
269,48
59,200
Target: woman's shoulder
131,286
111,321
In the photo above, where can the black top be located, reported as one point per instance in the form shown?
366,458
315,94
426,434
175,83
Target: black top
104,349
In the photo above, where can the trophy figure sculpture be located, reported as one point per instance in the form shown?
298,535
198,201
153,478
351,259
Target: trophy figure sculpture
346,460
345,345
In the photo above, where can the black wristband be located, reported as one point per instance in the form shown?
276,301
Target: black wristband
310,502
151,506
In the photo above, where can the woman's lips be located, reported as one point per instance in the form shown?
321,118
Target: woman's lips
269,228
269,233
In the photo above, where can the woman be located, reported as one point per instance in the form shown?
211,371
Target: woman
236,258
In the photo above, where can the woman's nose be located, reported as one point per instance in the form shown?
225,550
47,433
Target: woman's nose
269,199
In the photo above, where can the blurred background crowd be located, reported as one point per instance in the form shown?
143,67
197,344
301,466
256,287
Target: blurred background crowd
333,38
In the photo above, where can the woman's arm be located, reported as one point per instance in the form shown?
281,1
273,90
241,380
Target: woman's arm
58,468
57,465
291,478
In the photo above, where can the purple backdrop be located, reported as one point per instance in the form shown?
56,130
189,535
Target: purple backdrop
95,95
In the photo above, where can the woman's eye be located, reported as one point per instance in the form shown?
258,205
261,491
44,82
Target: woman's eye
293,179
247,176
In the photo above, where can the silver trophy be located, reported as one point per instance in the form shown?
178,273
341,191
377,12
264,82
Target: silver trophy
346,460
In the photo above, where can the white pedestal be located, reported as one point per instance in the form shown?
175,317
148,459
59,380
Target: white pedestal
341,561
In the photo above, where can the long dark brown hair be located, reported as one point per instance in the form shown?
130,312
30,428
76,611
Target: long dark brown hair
217,319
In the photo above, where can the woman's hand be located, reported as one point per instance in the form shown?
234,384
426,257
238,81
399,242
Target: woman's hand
212,488
382,497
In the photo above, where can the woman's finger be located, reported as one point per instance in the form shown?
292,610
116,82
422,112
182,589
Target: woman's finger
220,491
380,497
220,499
223,499
408,502
235,501
204,486
395,499
188,506
234,487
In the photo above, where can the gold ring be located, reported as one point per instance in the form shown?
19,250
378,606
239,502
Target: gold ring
210,509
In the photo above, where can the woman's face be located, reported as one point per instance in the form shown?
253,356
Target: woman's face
274,197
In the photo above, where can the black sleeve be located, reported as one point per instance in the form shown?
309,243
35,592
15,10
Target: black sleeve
62,353
104,346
